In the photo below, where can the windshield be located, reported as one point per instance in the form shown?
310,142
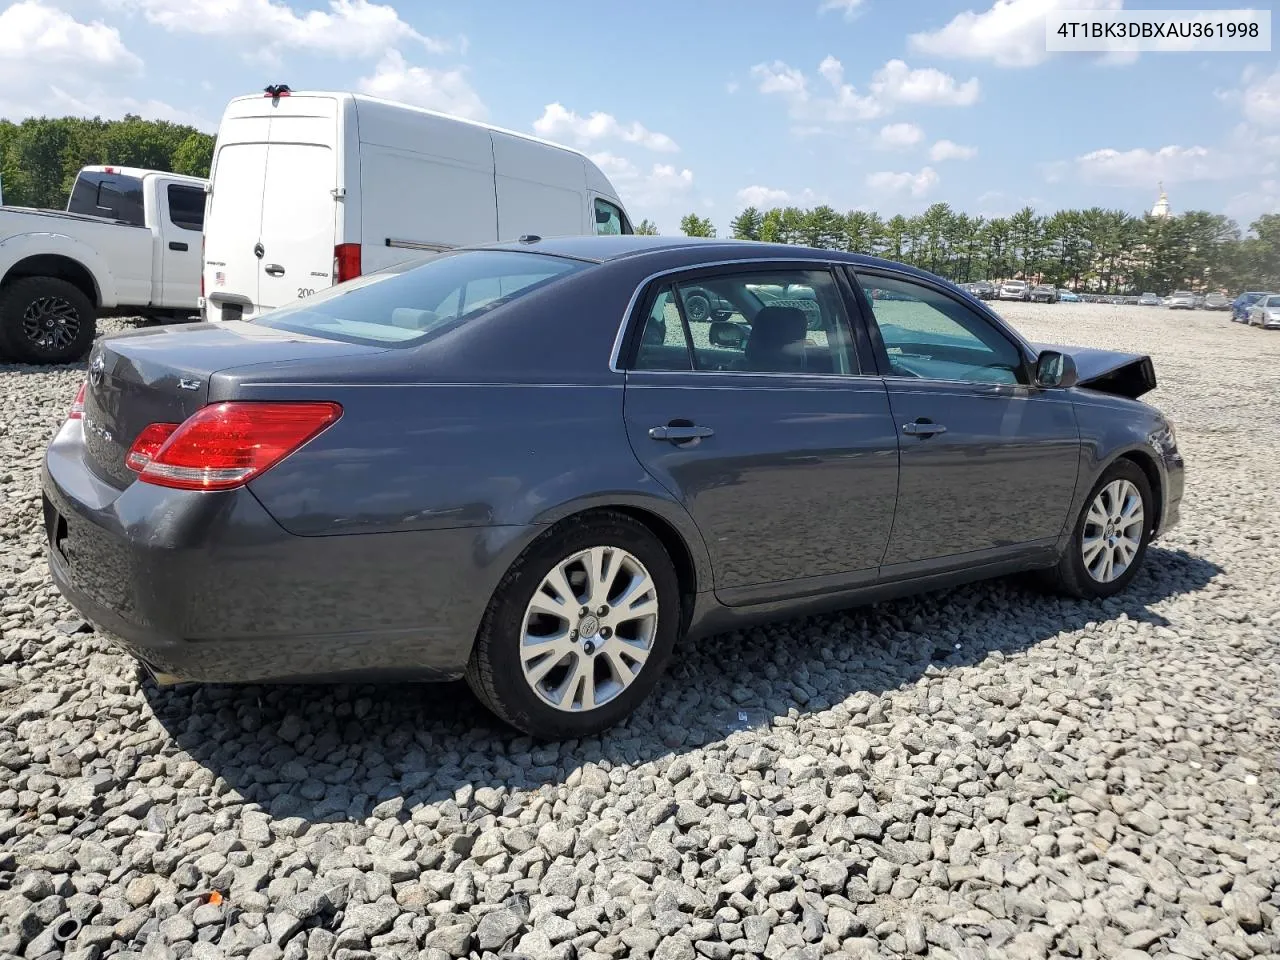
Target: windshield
1273,302
1182,293
406,304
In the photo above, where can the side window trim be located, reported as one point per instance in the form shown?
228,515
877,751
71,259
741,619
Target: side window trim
873,327
627,344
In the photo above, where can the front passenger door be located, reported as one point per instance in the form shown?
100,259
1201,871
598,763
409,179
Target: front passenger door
988,461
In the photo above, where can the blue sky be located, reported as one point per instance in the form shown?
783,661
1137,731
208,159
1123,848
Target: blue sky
707,105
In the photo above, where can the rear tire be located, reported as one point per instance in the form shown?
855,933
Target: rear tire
46,320
1106,518
612,659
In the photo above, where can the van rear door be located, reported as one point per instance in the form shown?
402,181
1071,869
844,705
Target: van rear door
232,224
298,221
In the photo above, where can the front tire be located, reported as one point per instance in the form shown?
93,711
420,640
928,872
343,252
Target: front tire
1110,536
579,630
46,320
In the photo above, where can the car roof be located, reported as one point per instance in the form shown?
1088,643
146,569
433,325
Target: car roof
606,249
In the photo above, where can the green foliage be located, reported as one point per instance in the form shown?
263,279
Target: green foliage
40,157
746,225
695,226
1096,250
647,228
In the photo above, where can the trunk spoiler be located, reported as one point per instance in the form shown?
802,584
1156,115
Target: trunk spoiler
1109,371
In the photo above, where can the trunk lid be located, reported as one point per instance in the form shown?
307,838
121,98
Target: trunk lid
162,374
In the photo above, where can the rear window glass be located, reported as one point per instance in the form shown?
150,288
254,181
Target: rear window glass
406,304
108,195
186,206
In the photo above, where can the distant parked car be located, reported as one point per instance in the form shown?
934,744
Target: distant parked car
1042,293
1240,306
1216,301
1014,290
1265,312
984,290
1149,300
1180,300
1066,296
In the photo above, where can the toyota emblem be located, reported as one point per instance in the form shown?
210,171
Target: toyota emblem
96,369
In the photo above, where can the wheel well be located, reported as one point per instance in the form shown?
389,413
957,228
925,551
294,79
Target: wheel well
53,265
1148,466
674,544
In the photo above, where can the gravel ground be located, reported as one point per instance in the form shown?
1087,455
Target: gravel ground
980,772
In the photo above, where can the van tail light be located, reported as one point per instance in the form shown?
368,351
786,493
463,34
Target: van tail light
346,262
202,267
225,445
77,405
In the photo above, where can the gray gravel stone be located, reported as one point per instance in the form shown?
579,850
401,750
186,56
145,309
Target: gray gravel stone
984,771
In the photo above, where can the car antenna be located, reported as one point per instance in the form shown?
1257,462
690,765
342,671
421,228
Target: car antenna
530,238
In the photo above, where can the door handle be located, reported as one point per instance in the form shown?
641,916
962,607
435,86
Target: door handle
680,433
274,269
177,245
923,428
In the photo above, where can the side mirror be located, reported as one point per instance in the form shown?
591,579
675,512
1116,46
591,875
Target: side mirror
725,333
1054,369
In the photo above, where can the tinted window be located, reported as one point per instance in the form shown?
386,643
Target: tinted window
108,195
610,219
769,322
930,336
406,304
186,207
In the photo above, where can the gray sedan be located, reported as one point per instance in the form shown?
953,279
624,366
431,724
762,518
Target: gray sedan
535,465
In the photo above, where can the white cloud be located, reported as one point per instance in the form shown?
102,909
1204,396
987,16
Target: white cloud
917,184
1260,100
445,90
1009,34
661,186
44,52
766,198
349,28
1247,206
950,150
1141,167
559,123
850,8
893,85
32,33
899,136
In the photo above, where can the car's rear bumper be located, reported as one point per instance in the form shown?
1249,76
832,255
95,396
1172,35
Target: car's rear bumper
207,586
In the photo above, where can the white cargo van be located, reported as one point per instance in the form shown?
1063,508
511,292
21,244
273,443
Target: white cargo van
310,189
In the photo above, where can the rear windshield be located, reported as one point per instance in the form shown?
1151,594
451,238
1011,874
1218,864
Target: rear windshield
1182,293
1272,302
406,304
100,194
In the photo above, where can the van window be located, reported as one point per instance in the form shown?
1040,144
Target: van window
406,304
99,194
186,206
610,220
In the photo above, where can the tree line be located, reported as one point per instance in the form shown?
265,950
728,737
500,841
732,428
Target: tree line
40,156
1094,250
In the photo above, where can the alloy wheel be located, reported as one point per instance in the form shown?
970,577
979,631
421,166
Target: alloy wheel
588,629
51,323
1113,530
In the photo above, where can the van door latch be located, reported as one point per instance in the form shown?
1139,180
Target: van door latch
275,270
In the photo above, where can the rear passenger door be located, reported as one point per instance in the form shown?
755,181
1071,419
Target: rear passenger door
181,224
757,416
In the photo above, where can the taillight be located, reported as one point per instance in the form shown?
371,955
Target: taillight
202,268
77,405
147,445
225,445
346,262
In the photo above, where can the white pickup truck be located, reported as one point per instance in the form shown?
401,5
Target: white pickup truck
128,243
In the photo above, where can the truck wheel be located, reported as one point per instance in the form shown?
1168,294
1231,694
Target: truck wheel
46,320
